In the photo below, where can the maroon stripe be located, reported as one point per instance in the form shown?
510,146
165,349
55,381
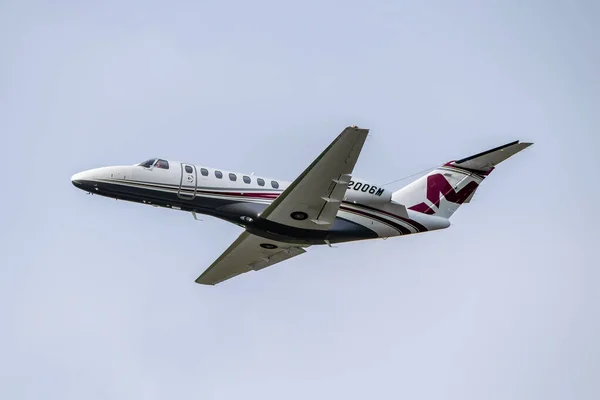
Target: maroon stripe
261,195
245,194
414,223
422,208
438,187
398,227
256,195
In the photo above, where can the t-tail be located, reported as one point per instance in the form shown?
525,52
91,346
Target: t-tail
445,189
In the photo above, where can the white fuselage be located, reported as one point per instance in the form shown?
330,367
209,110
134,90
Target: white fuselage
240,198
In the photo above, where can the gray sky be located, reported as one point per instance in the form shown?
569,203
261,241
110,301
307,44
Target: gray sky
97,297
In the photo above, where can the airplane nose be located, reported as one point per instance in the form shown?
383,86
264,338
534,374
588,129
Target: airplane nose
80,179
77,178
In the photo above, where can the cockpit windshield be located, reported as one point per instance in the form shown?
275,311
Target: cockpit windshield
148,163
156,162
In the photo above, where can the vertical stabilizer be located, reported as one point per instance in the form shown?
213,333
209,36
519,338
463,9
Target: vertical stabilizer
445,189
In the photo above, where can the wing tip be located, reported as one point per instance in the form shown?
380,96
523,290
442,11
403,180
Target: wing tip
202,281
356,128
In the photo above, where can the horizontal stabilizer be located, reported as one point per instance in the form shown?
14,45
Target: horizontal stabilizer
487,160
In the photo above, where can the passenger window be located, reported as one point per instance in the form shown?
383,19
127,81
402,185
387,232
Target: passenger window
218,174
247,179
260,181
275,184
188,169
164,164
204,171
232,177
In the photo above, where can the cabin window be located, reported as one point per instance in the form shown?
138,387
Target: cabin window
274,184
247,179
204,171
188,169
218,174
232,177
148,163
260,181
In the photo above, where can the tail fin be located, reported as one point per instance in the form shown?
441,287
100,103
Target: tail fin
442,191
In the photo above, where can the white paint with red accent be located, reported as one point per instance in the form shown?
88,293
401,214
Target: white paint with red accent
338,206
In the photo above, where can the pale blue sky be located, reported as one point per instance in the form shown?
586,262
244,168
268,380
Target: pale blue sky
97,297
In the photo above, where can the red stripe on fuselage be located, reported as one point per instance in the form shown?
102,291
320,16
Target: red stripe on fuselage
365,211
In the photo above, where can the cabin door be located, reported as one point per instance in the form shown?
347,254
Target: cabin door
189,182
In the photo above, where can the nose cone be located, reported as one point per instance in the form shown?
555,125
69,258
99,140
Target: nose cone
82,179
77,177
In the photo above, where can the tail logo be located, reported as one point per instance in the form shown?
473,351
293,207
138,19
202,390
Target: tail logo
438,186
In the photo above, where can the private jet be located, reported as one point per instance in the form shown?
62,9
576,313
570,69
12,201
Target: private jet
326,204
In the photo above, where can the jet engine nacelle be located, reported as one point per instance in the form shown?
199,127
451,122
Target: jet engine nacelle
361,191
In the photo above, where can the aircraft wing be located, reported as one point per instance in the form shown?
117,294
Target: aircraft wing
313,199
248,253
